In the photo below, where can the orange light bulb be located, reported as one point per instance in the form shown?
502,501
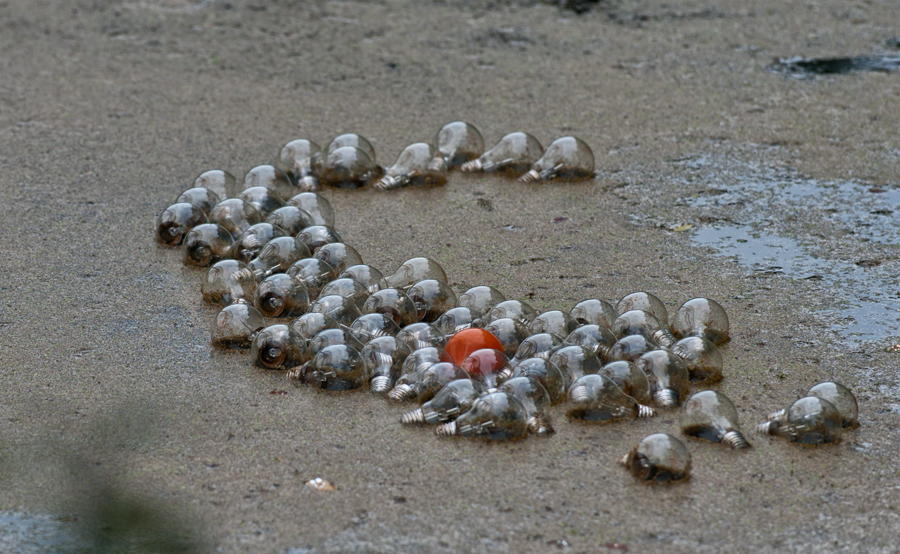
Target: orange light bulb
467,341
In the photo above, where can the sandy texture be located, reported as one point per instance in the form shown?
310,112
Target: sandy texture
108,109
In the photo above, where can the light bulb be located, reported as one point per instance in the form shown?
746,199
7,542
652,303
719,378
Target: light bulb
457,143
348,288
314,273
351,139
412,271
176,221
236,215
384,358
630,348
416,363
432,298
365,274
840,396
495,416
554,321
277,347
515,154
337,368
510,333
298,158
392,302
330,337
659,458
317,236
574,362
316,205
547,374
265,200
348,167
422,335
413,168
228,281
368,327
281,295
236,325
711,416
343,310
459,319
463,343
220,182
277,256
433,379
702,358
596,338
338,255
536,400
644,301
290,218
199,197
309,325
668,375
248,245
597,398
630,379
487,366
481,298
206,244
567,158
809,420
594,312
701,317
455,398
272,178
541,345
639,322
513,309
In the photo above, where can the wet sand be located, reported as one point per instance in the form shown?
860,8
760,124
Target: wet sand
108,110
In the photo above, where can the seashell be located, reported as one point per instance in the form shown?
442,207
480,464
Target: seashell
320,484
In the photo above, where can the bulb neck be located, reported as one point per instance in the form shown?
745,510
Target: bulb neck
531,177
667,398
402,393
735,440
473,166
645,411
775,415
381,384
415,417
308,184
446,430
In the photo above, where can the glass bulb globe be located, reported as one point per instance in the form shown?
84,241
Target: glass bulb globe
594,312
298,158
630,379
412,271
277,256
338,255
459,319
392,302
249,244
494,416
343,310
314,273
547,374
554,321
309,325
455,398
630,348
639,322
487,365
176,221
515,154
316,206
567,158
348,288
290,218
422,335
384,358
536,400
413,168
199,197
236,325
337,368
596,398
711,416
372,326
659,458
432,298
510,333
596,338
228,281
839,395
236,215
265,200
277,347
644,301
416,363
809,420
702,357
541,345
463,343
220,182
354,140
513,309
281,295
330,337
668,375
457,143
701,317
481,298
272,178
348,167
365,274
317,236
433,379
206,244
575,362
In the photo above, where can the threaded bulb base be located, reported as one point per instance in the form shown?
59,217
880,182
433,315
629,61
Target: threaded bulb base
537,426
381,384
503,375
295,373
446,430
438,164
775,415
664,338
645,411
401,393
388,182
415,417
767,428
471,166
667,398
531,177
580,394
735,440
308,184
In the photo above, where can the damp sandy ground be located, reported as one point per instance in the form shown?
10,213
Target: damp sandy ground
109,388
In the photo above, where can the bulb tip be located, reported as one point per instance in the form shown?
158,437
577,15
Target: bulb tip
735,440
645,411
471,166
446,430
381,384
667,398
415,417
531,177
401,393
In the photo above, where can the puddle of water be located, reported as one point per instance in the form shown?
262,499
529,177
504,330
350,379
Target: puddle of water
798,66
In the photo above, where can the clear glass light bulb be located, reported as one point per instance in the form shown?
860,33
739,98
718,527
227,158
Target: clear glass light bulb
668,375
510,332
702,357
455,398
277,347
384,358
630,348
277,256
354,140
463,343
412,271
840,396
432,298
575,361
228,281
365,274
433,379
644,301
348,288
368,327
494,416
176,221
317,236
547,374
343,310
594,312
515,154
199,197
392,302
281,295
330,337
513,309
236,325
290,218
459,319
337,368
413,168
711,416
596,338
298,158
541,345
457,143
265,200
488,366
554,321
639,322
349,167
597,398
317,206
809,420
422,335
416,363
220,182
272,178
536,401
309,325
314,273
206,244
567,158
340,256
236,215
659,458
249,244
630,379
481,298
701,317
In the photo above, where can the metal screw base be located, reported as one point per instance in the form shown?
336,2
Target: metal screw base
381,384
667,398
471,167
645,411
446,430
401,393
531,177
413,417
735,440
